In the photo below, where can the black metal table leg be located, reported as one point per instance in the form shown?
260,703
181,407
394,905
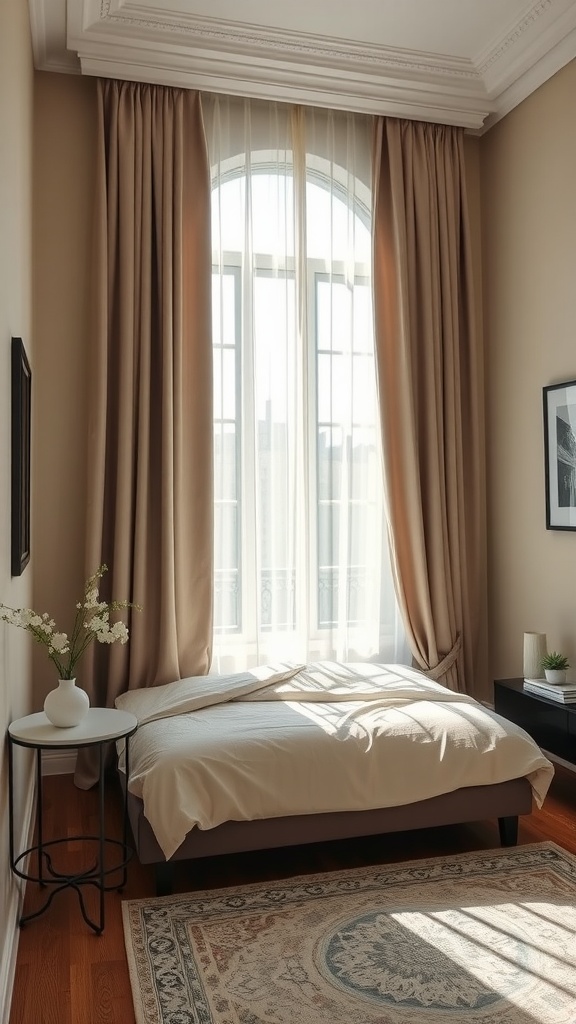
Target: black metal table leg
101,872
39,816
11,801
125,816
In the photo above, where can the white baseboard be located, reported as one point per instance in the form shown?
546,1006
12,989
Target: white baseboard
9,952
58,762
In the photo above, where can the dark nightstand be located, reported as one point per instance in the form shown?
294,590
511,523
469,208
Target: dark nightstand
551,724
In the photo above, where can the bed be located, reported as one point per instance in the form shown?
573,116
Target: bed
289,754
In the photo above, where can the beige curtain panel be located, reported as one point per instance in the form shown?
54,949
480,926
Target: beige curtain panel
150,437
430,382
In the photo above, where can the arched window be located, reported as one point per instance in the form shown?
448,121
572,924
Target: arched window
301,560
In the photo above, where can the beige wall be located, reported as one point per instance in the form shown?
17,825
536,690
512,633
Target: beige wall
528,174
16,86
64,159
45,227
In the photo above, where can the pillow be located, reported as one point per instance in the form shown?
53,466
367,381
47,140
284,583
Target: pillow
195,692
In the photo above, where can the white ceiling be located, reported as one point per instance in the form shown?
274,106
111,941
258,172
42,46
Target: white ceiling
465,62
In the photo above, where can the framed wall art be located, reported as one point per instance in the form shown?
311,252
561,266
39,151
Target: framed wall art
21,437
560,455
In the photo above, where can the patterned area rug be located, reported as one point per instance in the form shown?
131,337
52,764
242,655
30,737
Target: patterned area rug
485,937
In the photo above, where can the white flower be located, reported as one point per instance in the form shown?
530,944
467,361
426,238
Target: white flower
92,622
60,643
97,623
120,632
26,615
91,599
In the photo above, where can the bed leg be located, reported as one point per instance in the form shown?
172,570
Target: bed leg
164,876
508,828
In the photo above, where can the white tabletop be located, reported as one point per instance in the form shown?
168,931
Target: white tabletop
98,725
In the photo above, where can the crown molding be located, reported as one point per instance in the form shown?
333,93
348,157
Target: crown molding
156,41
115,38
318,87
133,19
541,31
525,57
532,79
48,30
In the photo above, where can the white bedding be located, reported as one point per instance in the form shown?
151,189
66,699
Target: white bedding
291,739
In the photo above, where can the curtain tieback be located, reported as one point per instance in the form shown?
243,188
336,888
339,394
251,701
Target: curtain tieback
447,661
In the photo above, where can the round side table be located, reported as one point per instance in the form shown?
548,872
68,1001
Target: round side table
99,727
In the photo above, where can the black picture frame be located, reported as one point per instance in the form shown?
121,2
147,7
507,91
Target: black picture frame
560,455
21,438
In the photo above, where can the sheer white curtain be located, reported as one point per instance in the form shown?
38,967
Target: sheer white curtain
301,560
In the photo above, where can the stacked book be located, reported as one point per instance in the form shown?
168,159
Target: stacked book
565,693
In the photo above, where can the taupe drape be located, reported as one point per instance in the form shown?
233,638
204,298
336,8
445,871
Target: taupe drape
150,504
430,379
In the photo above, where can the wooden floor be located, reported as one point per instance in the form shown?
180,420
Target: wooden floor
68,975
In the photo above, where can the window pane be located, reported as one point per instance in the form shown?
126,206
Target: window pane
327,597
329,462
363,390
272,494
225,462
328,533
271,232
365,466
228,215
346,389
360,527
277,596
224,370
227,602
274,341
334,389
344,316
227,554
362,323
223,308
355,593
333,228
273,228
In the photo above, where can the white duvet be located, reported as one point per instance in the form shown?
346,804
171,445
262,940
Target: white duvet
291,739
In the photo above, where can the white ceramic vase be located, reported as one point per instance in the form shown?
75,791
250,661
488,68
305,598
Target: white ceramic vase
67,704
555,675
534,651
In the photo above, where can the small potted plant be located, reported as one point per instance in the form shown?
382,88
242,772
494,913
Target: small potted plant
555,666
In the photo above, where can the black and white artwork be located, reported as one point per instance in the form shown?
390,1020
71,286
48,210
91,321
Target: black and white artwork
21,421
560,455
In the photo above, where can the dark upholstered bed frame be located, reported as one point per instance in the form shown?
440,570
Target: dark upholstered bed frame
505,801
